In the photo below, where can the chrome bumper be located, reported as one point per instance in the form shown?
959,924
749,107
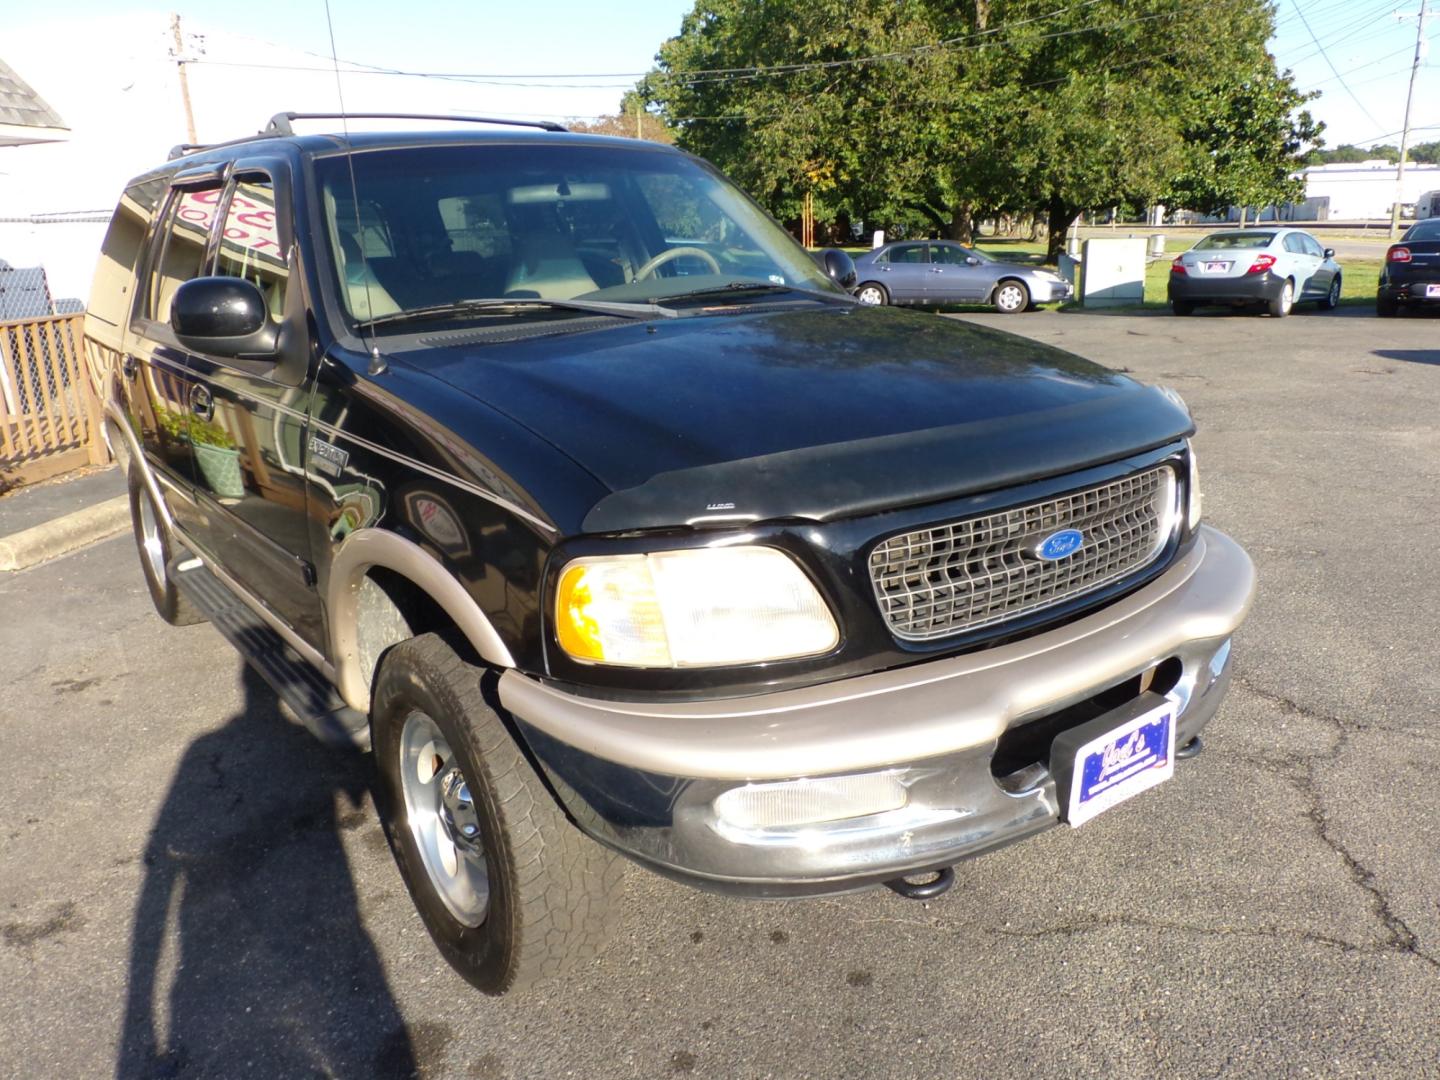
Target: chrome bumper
644,777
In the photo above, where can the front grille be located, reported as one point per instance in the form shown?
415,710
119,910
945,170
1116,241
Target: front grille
970,574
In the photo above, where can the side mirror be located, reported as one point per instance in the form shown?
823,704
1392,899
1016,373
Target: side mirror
1329,253
224,316
971,260
839,267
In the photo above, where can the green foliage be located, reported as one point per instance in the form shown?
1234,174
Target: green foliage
182,428
1427,153
959,110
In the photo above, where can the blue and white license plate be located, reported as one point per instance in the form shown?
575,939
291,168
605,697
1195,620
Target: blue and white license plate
1432,291
1123,762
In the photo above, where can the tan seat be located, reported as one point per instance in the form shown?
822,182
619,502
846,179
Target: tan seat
548,267
367,298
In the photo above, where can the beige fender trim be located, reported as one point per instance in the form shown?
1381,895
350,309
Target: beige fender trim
366,548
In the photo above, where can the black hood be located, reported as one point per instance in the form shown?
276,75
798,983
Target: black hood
813,412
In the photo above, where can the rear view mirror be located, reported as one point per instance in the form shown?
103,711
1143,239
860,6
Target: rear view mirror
839,267
224,316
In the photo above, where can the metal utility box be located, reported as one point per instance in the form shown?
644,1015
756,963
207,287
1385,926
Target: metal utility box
1114,272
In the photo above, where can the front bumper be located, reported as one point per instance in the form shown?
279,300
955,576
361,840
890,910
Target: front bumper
1045,291
644,777
1248,288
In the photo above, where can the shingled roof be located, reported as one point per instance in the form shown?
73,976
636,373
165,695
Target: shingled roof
24,115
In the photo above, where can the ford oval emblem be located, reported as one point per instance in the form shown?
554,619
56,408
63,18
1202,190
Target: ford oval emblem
1059,545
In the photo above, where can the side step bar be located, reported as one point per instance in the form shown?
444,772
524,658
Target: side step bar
303,689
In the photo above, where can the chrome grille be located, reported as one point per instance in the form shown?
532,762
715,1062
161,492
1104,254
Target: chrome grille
969,574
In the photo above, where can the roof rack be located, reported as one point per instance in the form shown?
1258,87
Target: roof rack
281,125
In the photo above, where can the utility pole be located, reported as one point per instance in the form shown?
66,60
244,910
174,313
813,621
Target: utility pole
184,80
1420,50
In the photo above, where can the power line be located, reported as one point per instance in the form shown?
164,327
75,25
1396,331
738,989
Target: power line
1328,61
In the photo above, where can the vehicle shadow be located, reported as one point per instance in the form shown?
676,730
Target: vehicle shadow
1411,356
247,954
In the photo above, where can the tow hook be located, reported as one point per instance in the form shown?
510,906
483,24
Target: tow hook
1190,749
925,890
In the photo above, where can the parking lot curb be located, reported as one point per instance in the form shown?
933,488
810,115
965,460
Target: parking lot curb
39,543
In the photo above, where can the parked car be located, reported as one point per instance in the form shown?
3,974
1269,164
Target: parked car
1276,268
944,272
1411,274
612,545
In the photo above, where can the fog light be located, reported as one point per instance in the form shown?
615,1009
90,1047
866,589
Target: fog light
793,803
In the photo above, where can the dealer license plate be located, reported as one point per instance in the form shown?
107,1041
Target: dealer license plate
1432,290
1121,763
1216,267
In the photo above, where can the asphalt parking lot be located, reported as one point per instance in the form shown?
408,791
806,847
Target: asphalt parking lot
189,886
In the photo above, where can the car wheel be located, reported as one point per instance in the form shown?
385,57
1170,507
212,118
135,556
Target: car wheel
872,294
1182,307
1011,297
1280,306
1386,308
157,547
510,891
1332,298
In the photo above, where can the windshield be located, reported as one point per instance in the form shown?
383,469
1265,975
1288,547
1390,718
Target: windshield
1424,230
436,226
1235,240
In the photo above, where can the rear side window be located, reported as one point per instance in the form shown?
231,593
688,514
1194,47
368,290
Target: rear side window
250,245
181,252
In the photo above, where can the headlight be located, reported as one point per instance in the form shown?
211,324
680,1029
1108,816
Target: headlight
697,608
1192,514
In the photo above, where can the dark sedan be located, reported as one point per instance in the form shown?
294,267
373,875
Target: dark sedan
944,272
1411,274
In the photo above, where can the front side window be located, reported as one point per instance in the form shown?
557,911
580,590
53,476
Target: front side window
250,245
181,249
436,226
1294,244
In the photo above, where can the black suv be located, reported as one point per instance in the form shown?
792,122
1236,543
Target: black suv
549,466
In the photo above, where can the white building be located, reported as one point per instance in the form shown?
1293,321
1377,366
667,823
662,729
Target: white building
1365,191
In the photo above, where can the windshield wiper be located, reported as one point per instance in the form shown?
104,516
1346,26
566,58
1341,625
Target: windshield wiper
734,287
512,305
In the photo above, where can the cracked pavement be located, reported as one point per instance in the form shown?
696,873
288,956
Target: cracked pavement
189,886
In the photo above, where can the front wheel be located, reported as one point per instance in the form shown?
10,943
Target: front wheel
1011,297
1280,306
1332,298
872,294
510,891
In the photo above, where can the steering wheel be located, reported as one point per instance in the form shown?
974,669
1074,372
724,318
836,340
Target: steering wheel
665,256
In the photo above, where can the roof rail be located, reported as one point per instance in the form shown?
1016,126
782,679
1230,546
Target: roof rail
281,123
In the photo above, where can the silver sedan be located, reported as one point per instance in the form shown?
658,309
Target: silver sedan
944,272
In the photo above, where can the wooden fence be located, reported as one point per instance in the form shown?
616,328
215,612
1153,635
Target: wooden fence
49,416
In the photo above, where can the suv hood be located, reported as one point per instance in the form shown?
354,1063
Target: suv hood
813,413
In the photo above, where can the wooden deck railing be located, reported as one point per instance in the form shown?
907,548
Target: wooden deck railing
49,417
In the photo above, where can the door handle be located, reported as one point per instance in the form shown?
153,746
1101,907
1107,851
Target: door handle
201,403
127,366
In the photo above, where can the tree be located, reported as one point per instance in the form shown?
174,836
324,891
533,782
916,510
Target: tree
632,121
927,114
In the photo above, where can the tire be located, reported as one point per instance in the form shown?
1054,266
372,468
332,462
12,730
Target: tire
1182,307
872,294
1281,305
156,546
1011,297
550,891
1386,308
1332,298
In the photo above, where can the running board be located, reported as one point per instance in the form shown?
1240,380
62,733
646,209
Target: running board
299,685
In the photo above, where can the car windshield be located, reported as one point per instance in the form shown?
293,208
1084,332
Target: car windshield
438,227
1424,230
1222,241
